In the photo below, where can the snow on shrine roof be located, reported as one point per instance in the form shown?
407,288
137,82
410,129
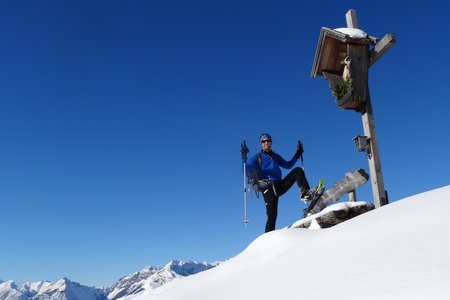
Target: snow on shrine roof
353,32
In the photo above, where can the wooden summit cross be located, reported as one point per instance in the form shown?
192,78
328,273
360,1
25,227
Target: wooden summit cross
343,57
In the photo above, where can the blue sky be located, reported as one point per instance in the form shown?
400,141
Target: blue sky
121,123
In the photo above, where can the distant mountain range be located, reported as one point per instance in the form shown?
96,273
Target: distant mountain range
64,289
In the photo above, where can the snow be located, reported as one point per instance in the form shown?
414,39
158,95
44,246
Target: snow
335,207
352,32
400,251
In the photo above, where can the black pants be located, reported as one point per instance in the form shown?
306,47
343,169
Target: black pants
272,194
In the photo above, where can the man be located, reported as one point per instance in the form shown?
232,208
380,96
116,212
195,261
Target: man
265,168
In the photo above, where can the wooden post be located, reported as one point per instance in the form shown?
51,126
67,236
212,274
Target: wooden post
376,174
379,193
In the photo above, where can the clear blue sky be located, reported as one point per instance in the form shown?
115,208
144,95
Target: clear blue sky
121,123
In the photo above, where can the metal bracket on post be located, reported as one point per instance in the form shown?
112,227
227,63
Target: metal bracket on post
352,196
363,144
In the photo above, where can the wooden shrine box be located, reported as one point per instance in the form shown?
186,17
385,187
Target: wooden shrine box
332,50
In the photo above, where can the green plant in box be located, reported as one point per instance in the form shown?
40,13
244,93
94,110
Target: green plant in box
343,88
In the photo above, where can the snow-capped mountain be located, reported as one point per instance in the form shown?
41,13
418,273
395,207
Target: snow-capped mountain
131,284
33,288
64,289
10,291
148,278
151,278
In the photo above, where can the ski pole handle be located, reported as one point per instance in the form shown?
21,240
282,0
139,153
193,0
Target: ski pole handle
300,149
244,151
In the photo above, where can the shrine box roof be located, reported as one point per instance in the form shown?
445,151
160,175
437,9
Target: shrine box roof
332,49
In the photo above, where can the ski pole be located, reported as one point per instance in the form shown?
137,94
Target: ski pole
244,151
245,195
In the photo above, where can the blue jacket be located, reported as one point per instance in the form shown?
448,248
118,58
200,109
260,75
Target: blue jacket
270,165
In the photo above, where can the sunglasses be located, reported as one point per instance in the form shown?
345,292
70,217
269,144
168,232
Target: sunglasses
266,141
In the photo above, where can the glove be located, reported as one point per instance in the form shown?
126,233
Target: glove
299,150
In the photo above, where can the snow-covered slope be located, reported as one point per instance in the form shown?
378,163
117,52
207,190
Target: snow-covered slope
399,251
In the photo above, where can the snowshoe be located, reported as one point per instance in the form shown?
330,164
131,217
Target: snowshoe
313,197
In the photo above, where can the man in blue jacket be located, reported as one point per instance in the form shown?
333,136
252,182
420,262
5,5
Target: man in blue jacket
265,168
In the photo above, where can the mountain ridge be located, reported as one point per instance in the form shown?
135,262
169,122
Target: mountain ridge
148,278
